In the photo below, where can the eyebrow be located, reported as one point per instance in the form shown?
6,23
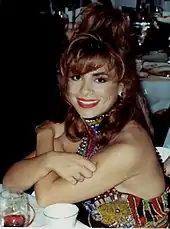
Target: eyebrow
100,73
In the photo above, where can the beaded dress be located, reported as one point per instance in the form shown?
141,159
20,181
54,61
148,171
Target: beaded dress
114,209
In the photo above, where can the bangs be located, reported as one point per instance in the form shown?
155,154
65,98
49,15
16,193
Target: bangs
86,63
88,53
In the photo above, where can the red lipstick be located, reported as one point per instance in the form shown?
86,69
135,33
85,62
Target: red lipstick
90,103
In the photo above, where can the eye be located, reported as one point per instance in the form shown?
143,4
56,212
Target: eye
75,77
101,80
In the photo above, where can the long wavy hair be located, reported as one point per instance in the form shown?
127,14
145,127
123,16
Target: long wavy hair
87,53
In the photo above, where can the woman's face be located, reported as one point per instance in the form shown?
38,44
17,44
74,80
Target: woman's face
93,93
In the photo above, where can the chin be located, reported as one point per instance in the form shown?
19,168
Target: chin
89,113
89,116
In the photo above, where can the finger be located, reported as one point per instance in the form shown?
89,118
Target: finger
71,180
88,164
86,172
79,177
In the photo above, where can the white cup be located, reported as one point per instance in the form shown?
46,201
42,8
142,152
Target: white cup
61,215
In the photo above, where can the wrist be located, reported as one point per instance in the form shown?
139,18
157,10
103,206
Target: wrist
49,160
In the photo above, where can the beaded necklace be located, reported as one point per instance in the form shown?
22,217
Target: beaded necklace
88,146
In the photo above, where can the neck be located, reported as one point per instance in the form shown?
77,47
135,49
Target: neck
95,122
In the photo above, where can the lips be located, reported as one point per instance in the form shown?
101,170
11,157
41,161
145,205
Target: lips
87,103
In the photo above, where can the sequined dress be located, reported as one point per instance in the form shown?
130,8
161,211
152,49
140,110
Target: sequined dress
114,209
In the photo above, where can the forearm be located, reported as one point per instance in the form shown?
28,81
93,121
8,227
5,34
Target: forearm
23,174
45,184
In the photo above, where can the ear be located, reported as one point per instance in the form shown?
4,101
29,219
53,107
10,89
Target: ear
120,89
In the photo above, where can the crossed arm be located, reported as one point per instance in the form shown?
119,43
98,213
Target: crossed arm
49,160
113,167
111,171
23,174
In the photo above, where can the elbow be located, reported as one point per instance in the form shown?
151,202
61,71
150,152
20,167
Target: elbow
7,182
41,202
42,199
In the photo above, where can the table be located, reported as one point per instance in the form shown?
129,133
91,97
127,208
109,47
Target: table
161,85
39,218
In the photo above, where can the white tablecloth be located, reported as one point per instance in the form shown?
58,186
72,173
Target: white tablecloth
39,218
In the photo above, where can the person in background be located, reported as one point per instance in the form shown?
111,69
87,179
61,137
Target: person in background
98,157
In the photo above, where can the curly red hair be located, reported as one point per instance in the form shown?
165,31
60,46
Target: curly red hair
87,53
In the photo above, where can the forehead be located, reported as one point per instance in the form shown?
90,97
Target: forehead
99,71
105,71
86,61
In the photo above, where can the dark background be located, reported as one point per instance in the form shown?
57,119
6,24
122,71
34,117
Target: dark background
30,46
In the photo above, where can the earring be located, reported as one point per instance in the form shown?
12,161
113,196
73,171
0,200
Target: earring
120,93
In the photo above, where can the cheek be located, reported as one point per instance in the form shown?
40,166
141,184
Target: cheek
73,88
109,92
72,94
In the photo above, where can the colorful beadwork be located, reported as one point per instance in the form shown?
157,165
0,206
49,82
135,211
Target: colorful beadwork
114,209
88,146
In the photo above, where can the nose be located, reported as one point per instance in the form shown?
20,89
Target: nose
86,88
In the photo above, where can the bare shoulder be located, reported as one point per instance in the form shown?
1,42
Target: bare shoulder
136,137
122,157
58,129
31,155
62,140
129,148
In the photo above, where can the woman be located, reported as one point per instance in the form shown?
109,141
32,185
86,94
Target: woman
107,124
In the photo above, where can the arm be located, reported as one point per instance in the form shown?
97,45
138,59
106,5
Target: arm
23,174
113,167
43,145
73,168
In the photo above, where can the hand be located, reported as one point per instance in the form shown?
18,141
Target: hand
71,167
